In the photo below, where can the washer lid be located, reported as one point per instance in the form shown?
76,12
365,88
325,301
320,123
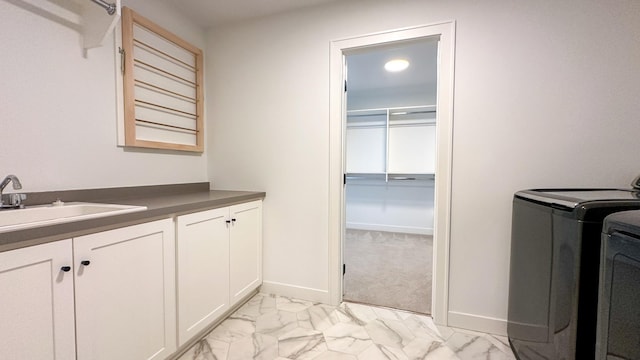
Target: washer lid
571,198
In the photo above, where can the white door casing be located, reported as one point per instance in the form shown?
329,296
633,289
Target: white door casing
337,127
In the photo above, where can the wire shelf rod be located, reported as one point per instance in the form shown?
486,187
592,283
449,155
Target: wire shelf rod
109,7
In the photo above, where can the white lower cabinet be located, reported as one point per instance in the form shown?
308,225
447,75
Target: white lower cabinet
124,296
245,249
219,262
203,270
125,293
112,295
36,303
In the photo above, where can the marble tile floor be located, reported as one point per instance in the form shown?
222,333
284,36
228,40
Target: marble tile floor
270,327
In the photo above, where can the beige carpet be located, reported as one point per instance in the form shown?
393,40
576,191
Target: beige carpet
388,269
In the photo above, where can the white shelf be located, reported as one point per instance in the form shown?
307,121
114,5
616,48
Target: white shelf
388,141
97,24
391,180
390,176
90,19
392,110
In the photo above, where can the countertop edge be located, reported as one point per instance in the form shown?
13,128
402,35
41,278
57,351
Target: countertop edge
158,207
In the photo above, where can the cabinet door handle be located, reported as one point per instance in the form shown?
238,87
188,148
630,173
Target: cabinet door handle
85,262
234,220
66,268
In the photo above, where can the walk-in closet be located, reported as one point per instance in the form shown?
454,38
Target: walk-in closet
390,146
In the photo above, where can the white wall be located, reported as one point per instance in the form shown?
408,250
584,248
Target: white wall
545,95
392,97
398,206
58,107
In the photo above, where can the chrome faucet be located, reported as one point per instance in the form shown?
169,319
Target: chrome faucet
16,183
11,200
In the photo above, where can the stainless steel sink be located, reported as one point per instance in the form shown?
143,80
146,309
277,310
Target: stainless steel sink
59,212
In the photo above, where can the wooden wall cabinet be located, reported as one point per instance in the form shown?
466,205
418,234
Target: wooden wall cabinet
162,84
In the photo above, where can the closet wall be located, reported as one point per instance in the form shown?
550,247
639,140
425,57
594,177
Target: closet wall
390,155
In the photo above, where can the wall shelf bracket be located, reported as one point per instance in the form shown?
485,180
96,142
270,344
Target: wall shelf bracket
93,23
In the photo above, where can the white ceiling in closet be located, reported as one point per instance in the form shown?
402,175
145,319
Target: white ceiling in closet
366,68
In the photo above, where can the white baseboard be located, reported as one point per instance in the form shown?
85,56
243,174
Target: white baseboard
294,291
477,323
390,228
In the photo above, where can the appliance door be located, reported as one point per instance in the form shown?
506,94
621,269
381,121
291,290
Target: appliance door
619,298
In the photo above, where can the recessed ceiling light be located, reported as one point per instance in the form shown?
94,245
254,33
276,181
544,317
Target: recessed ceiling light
396,65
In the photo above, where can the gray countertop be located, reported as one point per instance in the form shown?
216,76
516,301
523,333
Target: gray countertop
162,202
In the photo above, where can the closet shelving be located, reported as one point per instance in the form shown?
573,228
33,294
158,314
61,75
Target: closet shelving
395,144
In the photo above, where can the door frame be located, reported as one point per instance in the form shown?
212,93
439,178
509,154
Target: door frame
444,144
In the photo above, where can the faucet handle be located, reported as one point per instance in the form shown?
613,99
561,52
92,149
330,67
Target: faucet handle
13,200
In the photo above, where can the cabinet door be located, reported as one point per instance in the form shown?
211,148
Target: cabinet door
203,270
36,303
245,249
125,293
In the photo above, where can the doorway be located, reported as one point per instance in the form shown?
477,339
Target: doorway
390,153
442,183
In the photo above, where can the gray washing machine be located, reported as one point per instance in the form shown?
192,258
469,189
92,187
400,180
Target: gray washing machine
554,272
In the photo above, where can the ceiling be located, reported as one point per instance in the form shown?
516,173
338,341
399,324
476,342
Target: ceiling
365,70
208,13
